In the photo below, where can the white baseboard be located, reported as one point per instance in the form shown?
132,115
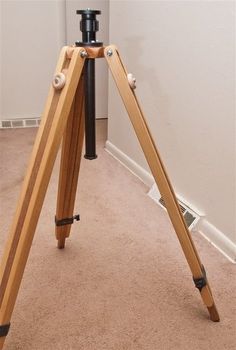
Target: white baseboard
217,238
130,164
25,122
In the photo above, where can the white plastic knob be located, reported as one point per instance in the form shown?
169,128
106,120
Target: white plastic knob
131,80
59,81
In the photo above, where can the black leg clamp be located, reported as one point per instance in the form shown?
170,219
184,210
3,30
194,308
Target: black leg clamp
67,221
202,281
4,329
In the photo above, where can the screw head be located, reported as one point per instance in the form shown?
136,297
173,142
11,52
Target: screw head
83,54
109,52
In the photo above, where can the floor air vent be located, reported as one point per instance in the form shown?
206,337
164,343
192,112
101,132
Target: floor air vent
190,216
19,123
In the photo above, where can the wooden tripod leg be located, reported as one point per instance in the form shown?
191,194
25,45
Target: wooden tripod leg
161,178
35,184
69,168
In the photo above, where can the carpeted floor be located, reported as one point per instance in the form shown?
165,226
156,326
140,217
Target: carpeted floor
122,281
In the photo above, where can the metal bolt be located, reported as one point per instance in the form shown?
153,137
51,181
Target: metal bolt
83,54
109,52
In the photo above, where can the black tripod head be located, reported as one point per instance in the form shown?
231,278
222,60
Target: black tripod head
89,25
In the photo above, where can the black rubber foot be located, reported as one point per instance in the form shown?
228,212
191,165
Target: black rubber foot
90,157
4,329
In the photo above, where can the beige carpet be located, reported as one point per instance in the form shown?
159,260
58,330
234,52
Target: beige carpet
122,281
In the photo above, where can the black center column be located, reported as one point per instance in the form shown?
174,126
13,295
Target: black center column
89,26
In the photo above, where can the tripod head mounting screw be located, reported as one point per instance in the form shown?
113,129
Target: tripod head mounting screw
83,54
59,81
89,25
131,81
109,52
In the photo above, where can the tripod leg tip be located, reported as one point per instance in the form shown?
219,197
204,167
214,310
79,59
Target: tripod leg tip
2,340
61,243
214,315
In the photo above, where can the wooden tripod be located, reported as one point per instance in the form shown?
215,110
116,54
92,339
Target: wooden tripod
64,118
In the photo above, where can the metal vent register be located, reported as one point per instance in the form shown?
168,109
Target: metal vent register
190,216
19,123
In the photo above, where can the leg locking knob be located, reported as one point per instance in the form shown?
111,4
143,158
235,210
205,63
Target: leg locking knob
59,81
131,80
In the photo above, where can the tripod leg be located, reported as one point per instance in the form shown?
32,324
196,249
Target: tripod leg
161,178
35,184
69,168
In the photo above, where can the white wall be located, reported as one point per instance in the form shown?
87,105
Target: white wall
73,34
183,56
32,33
